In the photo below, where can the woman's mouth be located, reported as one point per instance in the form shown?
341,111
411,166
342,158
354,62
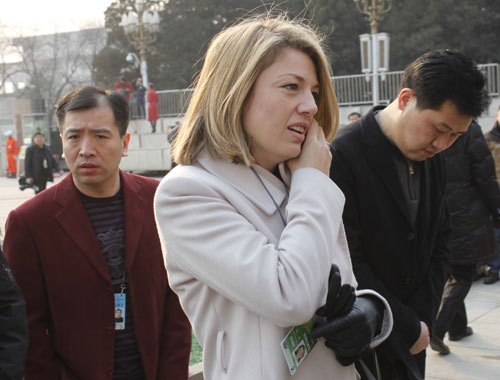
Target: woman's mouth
298,131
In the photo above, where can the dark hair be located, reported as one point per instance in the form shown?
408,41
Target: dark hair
441,75
354,113
88,97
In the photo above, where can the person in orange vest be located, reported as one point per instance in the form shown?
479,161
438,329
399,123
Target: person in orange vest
12,149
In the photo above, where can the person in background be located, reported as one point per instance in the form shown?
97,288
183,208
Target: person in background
152,107
473,199
140,98
397,224
39,164
353,116
89,246
124,88
11,150
13,325
493,140
250,223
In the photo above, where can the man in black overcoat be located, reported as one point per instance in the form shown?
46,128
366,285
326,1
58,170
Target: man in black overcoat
398,228
39,164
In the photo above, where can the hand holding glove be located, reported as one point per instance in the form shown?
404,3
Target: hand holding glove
349,336
339,299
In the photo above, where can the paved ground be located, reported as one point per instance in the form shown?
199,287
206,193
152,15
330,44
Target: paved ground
474,358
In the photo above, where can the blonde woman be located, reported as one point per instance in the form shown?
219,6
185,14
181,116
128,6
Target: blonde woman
250,222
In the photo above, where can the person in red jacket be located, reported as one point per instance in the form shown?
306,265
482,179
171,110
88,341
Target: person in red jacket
12,150
124,88
152,106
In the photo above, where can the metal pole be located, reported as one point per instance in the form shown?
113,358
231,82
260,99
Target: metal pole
374,12
375,94
144,65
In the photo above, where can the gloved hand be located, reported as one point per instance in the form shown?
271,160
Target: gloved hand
339,299
349,336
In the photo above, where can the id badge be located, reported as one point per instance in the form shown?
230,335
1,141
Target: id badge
297,344
120,303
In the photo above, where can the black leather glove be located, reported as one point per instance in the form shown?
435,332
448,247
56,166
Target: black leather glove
349,336
339,299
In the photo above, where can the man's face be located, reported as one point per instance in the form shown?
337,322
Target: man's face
353,117
422,133
39,140
93,149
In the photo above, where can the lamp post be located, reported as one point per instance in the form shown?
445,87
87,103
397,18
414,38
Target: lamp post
141,25
372,55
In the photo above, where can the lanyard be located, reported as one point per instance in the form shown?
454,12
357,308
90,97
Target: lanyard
270,196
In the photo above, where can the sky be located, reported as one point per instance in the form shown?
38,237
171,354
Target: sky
28,17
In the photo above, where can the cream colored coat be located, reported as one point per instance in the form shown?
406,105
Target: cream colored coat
243,278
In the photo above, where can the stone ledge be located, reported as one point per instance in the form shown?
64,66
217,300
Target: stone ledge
196,372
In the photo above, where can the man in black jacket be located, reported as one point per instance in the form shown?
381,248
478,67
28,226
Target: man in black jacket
13,325
39,164
473,199
397,225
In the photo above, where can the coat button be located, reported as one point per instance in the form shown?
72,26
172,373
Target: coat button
110,371
110,330
411,236
407,281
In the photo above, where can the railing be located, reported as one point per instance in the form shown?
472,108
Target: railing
173,102
350,90
491,72
357,89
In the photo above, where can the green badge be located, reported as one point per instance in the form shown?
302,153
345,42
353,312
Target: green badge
297,345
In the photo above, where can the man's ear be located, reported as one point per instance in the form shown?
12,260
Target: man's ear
125,141
404,97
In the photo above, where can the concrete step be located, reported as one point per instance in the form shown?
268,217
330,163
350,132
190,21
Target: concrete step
147,159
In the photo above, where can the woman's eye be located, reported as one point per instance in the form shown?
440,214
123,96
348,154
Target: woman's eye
291,86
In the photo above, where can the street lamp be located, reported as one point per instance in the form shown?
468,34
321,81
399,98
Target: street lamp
141,26
374,47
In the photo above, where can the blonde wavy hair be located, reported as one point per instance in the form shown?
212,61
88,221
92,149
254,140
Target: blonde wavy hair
234,60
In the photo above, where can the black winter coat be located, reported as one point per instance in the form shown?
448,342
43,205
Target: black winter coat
405,263
473,197
34,164
13,326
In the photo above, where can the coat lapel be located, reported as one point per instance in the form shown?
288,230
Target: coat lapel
245,181
135,211
377,147
74,221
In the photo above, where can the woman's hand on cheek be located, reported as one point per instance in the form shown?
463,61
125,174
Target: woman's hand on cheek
315,151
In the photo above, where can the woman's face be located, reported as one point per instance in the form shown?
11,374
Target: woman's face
281,108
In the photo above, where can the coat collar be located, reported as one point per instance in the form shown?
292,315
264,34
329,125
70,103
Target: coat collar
377,147
74,221
243,179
